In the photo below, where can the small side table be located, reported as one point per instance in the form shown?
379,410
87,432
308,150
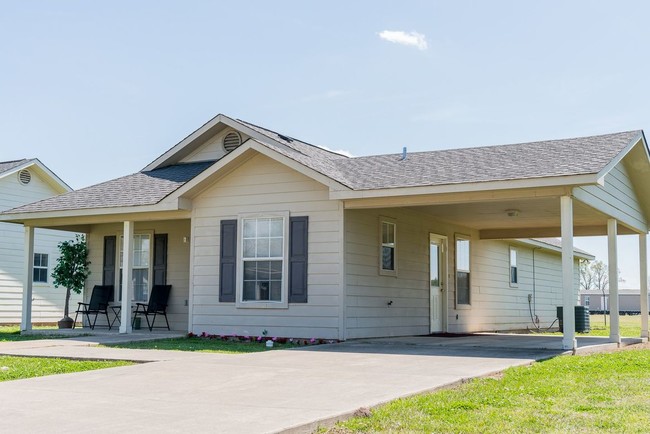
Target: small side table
117,311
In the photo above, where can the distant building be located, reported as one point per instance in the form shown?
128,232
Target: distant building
21,182
629,300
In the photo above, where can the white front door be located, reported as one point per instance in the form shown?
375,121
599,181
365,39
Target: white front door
437,273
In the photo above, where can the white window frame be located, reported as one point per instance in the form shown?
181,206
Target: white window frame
511,250
40,267
118,261
262,304
382,222
461,237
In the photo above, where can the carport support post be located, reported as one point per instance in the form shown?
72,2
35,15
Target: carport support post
643,267
569,298
127,277
28,281
612,259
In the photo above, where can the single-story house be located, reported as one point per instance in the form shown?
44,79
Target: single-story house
256,230
629,300
22,182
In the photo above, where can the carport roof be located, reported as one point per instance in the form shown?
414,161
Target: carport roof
551,158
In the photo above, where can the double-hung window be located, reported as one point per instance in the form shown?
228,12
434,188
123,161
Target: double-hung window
263,246
388,249
462,271
141,266
40,267
514,278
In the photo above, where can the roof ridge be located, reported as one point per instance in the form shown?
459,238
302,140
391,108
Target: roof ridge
467,148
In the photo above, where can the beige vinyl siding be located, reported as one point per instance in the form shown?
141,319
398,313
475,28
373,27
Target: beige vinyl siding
368,293
616,198
261,185
48,302
178,264
495,305
500,307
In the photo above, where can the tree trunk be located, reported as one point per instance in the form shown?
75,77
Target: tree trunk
66,309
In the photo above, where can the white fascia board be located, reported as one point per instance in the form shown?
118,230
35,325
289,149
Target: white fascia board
553,248
50,177
160,207
260,147
609,166
556,181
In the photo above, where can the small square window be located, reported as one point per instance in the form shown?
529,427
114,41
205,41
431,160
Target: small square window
40,267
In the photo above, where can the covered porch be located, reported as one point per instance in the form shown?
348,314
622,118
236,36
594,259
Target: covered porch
130,253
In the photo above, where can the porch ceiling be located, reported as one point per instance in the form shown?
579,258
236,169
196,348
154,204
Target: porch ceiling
539,217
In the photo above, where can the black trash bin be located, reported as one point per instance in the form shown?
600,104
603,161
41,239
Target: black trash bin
581,319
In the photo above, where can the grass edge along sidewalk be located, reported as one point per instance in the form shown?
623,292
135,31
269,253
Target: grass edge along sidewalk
20,367
604,392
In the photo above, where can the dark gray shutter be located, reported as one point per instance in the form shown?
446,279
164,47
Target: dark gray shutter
160,259
108,273
228,261
298,232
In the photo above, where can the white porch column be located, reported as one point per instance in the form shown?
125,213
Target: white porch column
569,297
127,277
643,267
612,259
28,281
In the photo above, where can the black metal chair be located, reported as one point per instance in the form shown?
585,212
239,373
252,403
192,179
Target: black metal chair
98,305
157,306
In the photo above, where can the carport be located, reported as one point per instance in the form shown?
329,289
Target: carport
604,196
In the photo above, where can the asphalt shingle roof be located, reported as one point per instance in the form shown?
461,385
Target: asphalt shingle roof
583,155
553,158
142,188
8,165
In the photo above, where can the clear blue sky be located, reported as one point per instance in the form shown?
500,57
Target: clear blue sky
97,90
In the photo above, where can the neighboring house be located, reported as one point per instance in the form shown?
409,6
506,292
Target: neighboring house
257,231
21,182
629,300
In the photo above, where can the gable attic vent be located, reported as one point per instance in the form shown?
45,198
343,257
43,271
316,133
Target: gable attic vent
231,141
24,177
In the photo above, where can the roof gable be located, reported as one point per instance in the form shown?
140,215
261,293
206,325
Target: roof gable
8,168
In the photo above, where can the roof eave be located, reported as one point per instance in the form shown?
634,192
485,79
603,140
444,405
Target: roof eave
541,244
164,206
509,184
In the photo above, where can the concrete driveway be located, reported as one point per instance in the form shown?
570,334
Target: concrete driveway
246,393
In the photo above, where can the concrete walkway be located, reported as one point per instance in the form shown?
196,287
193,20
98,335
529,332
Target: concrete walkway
259,392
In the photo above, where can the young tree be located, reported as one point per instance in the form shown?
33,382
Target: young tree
594,276
71,271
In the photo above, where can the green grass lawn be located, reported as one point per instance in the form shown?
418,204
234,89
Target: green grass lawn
596,393
14,368
201,344
12,333
629,325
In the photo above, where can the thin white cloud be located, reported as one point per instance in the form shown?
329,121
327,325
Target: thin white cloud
413,39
